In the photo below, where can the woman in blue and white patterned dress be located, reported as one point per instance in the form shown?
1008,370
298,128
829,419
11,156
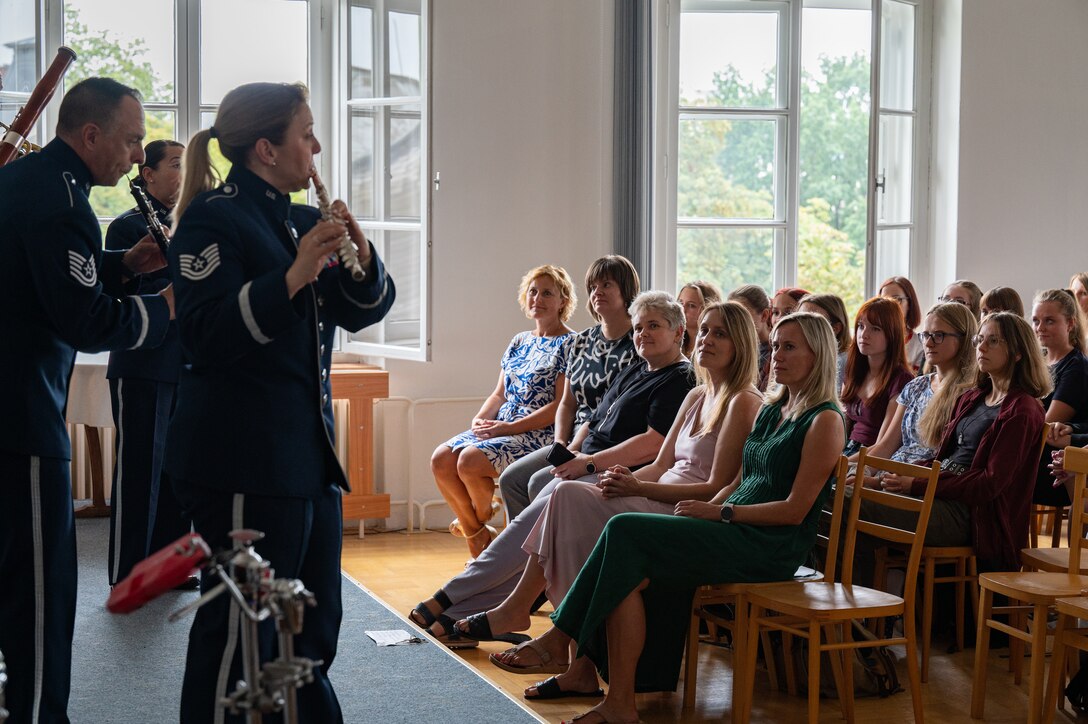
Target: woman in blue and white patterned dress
519,415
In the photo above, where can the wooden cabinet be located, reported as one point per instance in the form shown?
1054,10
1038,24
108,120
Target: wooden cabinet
360,385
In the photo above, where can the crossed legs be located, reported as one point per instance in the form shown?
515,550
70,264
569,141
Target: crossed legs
465,477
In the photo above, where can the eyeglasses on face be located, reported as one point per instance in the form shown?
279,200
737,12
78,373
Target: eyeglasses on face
944,299
991,340
938,337
897,298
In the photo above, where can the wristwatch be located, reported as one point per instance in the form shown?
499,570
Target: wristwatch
590,467
727,513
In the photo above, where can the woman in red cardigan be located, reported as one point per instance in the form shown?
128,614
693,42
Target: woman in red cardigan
989,450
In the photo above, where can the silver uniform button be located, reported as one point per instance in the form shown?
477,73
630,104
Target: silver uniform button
324,374
320,326
322,351
321,300
324,400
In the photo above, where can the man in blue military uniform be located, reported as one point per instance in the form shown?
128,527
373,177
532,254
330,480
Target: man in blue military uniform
250,443
58,293
144,513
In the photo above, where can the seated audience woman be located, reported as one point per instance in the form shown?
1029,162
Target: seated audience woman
966,292
693,298
988,451
1079,286
918,416
901,291
627,428
517,418
784,302
1001,299
700,456
629,607
595,356
876,371
831,308
1059,327
755,300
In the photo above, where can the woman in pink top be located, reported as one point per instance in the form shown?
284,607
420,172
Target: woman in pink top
700,456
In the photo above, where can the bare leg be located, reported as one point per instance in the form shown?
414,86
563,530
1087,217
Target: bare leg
553,641
581,675
444,468
513,613
478,475
626,627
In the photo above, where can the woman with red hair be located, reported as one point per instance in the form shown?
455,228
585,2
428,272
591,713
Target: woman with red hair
876,370
785,301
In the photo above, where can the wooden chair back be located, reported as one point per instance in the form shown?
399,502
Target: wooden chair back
1076,462
911,540
832,521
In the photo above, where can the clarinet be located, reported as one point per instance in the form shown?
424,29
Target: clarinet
349,257
154,226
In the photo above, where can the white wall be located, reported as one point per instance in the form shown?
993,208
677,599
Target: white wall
1023,157
521,131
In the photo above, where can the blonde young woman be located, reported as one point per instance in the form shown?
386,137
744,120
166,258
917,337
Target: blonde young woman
832,308
965,292
921,411
700,456
1059,327
1078,284
517,418
636,585
694,298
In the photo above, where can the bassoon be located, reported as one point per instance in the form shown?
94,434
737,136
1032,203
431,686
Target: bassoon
28,115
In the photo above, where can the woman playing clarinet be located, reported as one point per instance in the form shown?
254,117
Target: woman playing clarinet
144,513
259,295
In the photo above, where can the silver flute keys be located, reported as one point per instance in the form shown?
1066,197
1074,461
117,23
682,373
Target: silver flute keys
349,257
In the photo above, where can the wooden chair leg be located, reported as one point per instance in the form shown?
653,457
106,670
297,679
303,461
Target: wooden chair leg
813,672
982,653
1018,620
1038,662
1056,680
972,566
743,679
768,657
848,672
749,671
913,674
787,663
691,662
961,587
832,634
927,612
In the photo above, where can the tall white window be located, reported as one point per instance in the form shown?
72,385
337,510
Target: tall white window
386,175
18,56
773,164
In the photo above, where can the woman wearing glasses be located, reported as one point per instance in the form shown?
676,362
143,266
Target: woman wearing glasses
988,449
966,292
901,291
1059,327
919,415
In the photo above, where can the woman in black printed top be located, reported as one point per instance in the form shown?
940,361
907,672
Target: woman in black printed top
595,357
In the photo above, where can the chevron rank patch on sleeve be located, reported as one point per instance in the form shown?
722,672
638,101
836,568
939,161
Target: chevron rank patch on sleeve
199,266
82,268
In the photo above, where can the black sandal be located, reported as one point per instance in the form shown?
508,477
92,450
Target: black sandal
549,689
452,638
479,628
421,616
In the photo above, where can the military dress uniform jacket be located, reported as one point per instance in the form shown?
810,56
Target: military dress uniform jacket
58,293
158,364
254,410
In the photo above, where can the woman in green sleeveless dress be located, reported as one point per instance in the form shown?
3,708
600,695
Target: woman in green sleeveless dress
629,608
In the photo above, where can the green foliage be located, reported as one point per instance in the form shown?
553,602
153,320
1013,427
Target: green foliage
725,171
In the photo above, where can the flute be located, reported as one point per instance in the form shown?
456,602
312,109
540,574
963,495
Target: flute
349,256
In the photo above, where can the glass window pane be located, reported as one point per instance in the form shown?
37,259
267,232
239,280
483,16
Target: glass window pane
402,55
400,252
112,40
362,52
727,257
834,151
726,169
274,50
892,255
362,171
404,162
897,56
729,59
17,46
117,199
894,163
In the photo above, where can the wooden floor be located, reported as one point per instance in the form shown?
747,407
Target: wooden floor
405,569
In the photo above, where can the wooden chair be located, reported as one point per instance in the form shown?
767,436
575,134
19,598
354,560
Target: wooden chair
966,574
1066,635
1047,519
811,609
734,594
1035,589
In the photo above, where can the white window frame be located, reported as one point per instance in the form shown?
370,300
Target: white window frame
667,113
